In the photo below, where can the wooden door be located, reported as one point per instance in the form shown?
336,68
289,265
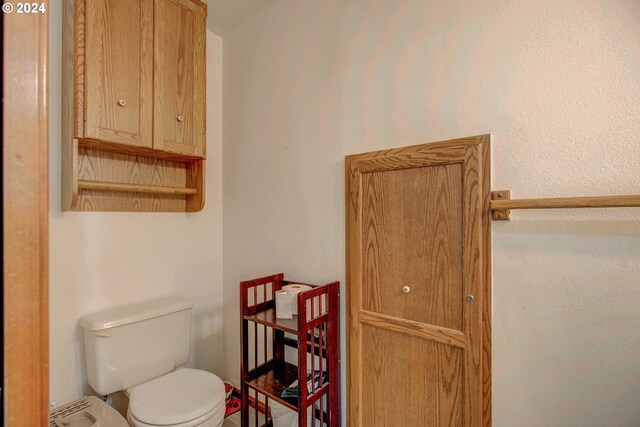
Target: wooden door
119,60
417,282
179,77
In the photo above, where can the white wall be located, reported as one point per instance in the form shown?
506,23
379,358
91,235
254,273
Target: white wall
99,260
556,83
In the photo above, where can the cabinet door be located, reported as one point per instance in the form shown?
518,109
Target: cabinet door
179,77
119,60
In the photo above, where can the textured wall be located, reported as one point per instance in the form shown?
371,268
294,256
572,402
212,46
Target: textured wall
99,259
556,83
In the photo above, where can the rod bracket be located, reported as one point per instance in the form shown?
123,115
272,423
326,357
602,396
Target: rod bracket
501,214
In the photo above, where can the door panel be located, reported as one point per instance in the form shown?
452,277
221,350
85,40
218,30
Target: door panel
424,378
416,248
118,50
413,235
179,77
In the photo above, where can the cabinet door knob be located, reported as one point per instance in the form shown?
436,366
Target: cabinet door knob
470,298
122,103
180,118
406,289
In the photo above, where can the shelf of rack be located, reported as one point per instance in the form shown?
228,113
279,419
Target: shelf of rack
274,380
268,318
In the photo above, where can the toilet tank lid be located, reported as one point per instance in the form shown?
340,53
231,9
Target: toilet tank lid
132,313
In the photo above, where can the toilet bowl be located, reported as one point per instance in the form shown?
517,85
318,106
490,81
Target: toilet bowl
182,398
136,349
86,412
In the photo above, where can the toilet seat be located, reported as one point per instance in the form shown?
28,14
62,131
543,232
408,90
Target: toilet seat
213,418
185,398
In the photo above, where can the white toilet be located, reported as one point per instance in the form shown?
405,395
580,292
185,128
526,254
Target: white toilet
136,348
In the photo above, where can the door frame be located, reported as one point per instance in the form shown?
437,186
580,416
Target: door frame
410,157
26,219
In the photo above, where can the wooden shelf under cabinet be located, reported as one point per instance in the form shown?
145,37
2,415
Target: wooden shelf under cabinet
99,180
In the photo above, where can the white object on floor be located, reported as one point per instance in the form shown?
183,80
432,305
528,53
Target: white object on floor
86,412
234,420
282,416
136,348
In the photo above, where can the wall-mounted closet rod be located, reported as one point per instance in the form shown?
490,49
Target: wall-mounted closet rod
501,203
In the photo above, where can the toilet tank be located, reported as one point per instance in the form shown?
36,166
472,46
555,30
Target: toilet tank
128,345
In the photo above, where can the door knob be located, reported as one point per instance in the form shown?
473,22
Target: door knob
406,289
470,298
180,118
122,103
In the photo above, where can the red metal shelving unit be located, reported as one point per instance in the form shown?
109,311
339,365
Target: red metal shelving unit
315,336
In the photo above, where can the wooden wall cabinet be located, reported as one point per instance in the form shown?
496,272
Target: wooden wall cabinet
133,135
